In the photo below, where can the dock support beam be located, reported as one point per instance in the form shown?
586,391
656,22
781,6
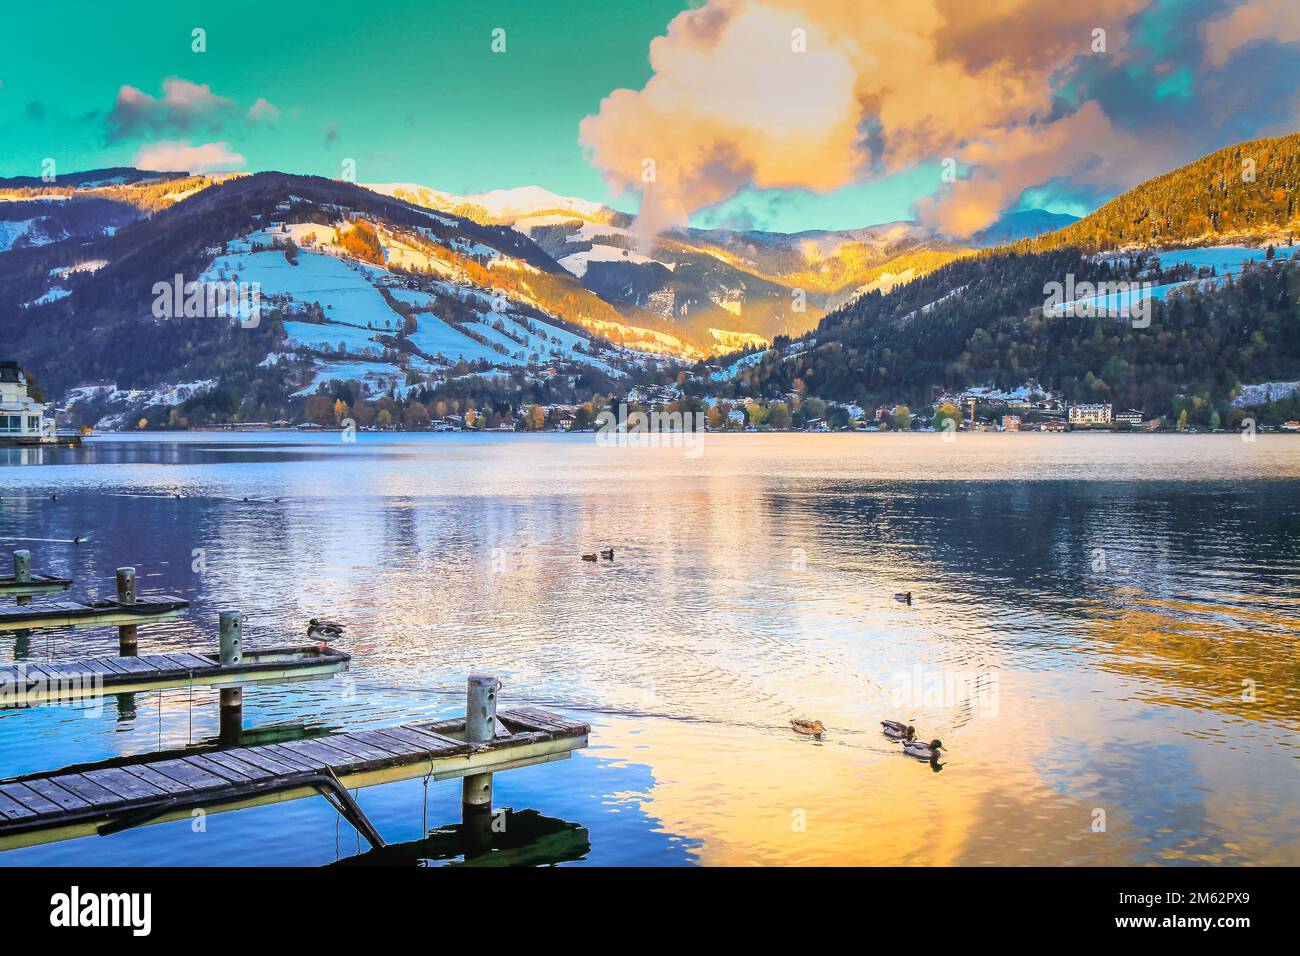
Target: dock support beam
480,726
23,573
126,633
231,631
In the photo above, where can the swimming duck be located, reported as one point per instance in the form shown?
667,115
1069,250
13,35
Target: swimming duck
802,725
904,596
589,557
898,729
930,751
608,554
318,630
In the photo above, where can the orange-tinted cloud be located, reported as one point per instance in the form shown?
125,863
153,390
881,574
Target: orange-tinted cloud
1254,20
878,88
170,156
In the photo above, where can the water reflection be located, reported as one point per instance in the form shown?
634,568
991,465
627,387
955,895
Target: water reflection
506,838
1123,590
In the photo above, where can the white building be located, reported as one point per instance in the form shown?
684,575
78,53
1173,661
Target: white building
1090,414
22,419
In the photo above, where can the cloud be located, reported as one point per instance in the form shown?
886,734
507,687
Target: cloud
263,111
172,156
184,106
1276,20
1012,89
331,134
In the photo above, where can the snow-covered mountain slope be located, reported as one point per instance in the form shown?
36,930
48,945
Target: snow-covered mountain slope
89,205
356,319
352,284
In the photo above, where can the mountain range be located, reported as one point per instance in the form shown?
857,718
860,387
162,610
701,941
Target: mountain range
406,290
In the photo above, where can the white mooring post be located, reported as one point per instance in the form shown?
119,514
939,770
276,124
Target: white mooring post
126,633
231,638
23,573
480,726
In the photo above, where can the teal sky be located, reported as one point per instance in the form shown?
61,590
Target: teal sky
410,90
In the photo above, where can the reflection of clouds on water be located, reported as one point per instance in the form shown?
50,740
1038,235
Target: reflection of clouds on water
749,587
1153,797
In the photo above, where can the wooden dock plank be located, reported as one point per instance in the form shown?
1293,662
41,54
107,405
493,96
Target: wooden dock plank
29,798
161,781
55,794
259,758
421,734
135,665
11,809
388,745
319,753
231,764
350,744
88,790
182,772
125,785
295,760
212,768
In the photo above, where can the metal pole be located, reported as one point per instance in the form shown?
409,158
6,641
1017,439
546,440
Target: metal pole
126,633
480,726
231,638
23,573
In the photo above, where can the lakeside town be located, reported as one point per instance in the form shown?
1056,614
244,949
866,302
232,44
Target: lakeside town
26,418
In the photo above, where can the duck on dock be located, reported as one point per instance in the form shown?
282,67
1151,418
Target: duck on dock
802,725
589,557
930,751
898,729
608,554
318,630
904,596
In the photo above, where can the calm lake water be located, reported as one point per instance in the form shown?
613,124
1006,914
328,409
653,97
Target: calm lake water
1103,633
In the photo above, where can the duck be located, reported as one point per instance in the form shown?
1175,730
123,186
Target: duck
318,630
930,751
904,596
896,728
589,557
608,554
802,725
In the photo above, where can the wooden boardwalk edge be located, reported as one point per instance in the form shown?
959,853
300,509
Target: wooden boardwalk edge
44,808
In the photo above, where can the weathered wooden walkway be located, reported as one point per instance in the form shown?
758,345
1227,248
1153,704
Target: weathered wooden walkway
155,607
27,683
44,808
34,585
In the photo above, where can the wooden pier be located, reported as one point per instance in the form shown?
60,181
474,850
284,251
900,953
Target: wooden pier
157,607
24,585
28,683
47,807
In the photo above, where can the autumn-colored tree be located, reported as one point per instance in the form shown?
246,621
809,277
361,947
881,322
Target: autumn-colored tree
416,416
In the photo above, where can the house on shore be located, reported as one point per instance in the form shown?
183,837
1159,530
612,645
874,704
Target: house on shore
1098,414
22,419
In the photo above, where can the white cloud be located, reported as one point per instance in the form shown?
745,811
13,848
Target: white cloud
174,156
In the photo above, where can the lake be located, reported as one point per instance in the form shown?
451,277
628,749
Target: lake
1103,633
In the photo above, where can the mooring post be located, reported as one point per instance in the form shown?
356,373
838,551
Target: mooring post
480,726
231,637
23,573
126,633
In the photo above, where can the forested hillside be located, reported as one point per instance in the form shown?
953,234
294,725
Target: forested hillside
1242,191
989,327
